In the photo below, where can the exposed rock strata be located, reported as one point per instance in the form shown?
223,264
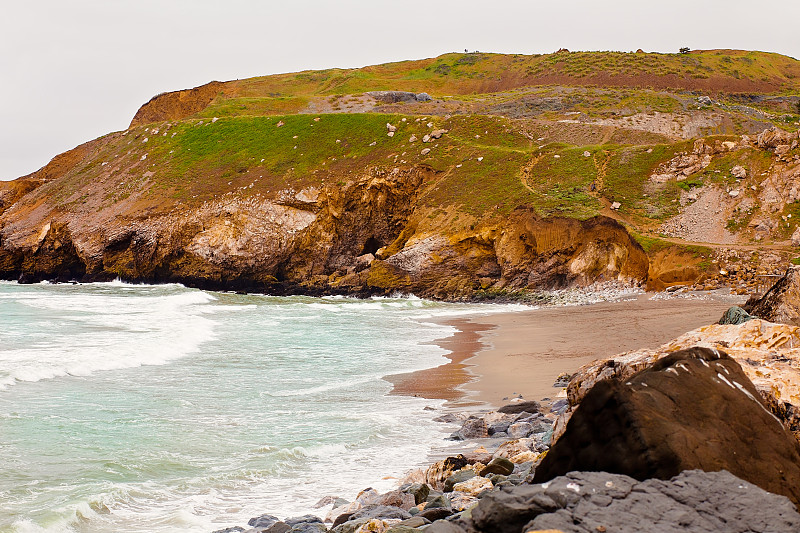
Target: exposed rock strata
365,237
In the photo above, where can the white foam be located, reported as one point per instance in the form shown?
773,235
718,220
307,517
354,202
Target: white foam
82,333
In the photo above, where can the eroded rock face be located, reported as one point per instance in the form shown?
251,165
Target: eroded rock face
693,409
363,237
782,302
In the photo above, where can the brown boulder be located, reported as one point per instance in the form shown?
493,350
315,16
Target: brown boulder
693,409
781,303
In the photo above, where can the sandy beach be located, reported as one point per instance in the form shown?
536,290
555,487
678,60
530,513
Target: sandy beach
498,356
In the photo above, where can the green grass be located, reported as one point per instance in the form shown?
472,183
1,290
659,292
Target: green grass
464,74
627,180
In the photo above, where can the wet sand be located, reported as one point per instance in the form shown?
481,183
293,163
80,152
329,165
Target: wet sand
498,356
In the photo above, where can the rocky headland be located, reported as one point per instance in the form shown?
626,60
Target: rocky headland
487,177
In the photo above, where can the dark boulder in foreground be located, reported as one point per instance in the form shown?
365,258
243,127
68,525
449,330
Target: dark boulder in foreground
693,409
584,502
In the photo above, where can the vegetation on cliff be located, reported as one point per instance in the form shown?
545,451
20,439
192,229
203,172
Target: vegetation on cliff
412,175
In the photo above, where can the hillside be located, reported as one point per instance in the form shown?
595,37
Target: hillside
464,176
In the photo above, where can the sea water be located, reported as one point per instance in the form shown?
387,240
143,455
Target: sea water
143,408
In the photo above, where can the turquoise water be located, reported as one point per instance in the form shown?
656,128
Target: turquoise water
160,408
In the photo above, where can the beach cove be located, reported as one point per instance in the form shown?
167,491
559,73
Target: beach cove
498,356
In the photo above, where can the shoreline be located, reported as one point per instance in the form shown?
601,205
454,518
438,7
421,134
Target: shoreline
494,358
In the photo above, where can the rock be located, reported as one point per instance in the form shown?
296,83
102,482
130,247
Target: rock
393,97
423,97
562,380
390,128
438,502
441,470
514,447
419,491
796,237
234,529
265,520
520,407
437,134
461,500
380,511
497,427
729,145
767,352
279,124
390,134
739,172
693,409
498,465
412,139
278,527
735,315
479,455
587,154
305,520
342,510
414,521
733,193
694,501
425,151
520,430
781,303
774,137
341,519
473,486
458,477
704,100
436,513
443,526
560,405
473,428
616,205
397,498
426,138
526,457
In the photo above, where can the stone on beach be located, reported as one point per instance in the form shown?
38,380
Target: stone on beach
419,491
769,355
520,407
693,409
498,465
473,428
437,473
473,486
458,477
580,502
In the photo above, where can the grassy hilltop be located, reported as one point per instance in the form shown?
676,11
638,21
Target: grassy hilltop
570,134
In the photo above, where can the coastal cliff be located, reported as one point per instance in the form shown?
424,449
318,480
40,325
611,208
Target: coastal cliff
328,183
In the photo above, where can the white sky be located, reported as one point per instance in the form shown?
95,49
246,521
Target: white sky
73,70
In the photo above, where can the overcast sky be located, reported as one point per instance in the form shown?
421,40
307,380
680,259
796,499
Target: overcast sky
73,70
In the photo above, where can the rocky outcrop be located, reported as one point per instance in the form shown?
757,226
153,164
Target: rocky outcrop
769,355
693,409
781,303
362,237
177,104
591,502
